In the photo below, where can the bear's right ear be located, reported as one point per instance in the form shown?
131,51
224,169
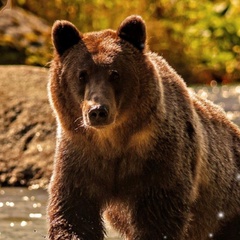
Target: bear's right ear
133,30
64,36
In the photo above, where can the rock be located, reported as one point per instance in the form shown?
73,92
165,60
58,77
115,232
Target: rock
24,38
27,127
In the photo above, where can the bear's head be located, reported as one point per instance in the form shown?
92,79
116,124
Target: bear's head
101,79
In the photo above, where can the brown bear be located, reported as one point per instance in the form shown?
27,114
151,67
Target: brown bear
134,144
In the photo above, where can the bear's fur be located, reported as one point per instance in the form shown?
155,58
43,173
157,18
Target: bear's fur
136,145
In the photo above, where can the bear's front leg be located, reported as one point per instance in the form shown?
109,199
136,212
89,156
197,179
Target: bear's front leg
160,214
73,216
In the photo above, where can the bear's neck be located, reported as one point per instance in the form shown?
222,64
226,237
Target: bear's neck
115,141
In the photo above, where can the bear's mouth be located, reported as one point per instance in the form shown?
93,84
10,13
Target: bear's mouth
98,125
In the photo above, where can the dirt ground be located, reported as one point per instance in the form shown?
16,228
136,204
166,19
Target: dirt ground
27,125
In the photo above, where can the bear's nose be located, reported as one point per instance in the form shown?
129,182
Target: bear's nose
98,115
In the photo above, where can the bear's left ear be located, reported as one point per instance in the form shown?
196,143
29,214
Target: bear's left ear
64,36
133,30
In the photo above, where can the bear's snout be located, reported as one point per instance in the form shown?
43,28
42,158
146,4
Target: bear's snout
98,115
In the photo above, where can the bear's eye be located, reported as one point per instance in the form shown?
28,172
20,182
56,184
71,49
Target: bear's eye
114,75
83,76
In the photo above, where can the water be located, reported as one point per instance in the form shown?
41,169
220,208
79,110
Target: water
23,215
226,96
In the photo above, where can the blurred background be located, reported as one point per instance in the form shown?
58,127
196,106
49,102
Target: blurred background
201,40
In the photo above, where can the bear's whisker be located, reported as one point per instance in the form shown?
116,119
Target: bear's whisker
80,123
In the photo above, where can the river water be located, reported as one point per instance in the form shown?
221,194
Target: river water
23,215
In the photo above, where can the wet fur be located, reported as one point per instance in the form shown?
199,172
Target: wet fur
165,167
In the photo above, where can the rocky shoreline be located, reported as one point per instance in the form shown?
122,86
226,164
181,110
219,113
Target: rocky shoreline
27,125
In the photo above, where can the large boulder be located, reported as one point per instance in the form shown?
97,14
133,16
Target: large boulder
27,127
24,38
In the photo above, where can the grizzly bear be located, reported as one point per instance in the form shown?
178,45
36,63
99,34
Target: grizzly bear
135,145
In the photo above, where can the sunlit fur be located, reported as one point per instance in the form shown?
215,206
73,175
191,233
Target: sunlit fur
163,166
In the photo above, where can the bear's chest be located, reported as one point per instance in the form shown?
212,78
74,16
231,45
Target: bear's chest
107,177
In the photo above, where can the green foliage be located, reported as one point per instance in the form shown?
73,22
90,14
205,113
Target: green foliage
209,36
200,39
